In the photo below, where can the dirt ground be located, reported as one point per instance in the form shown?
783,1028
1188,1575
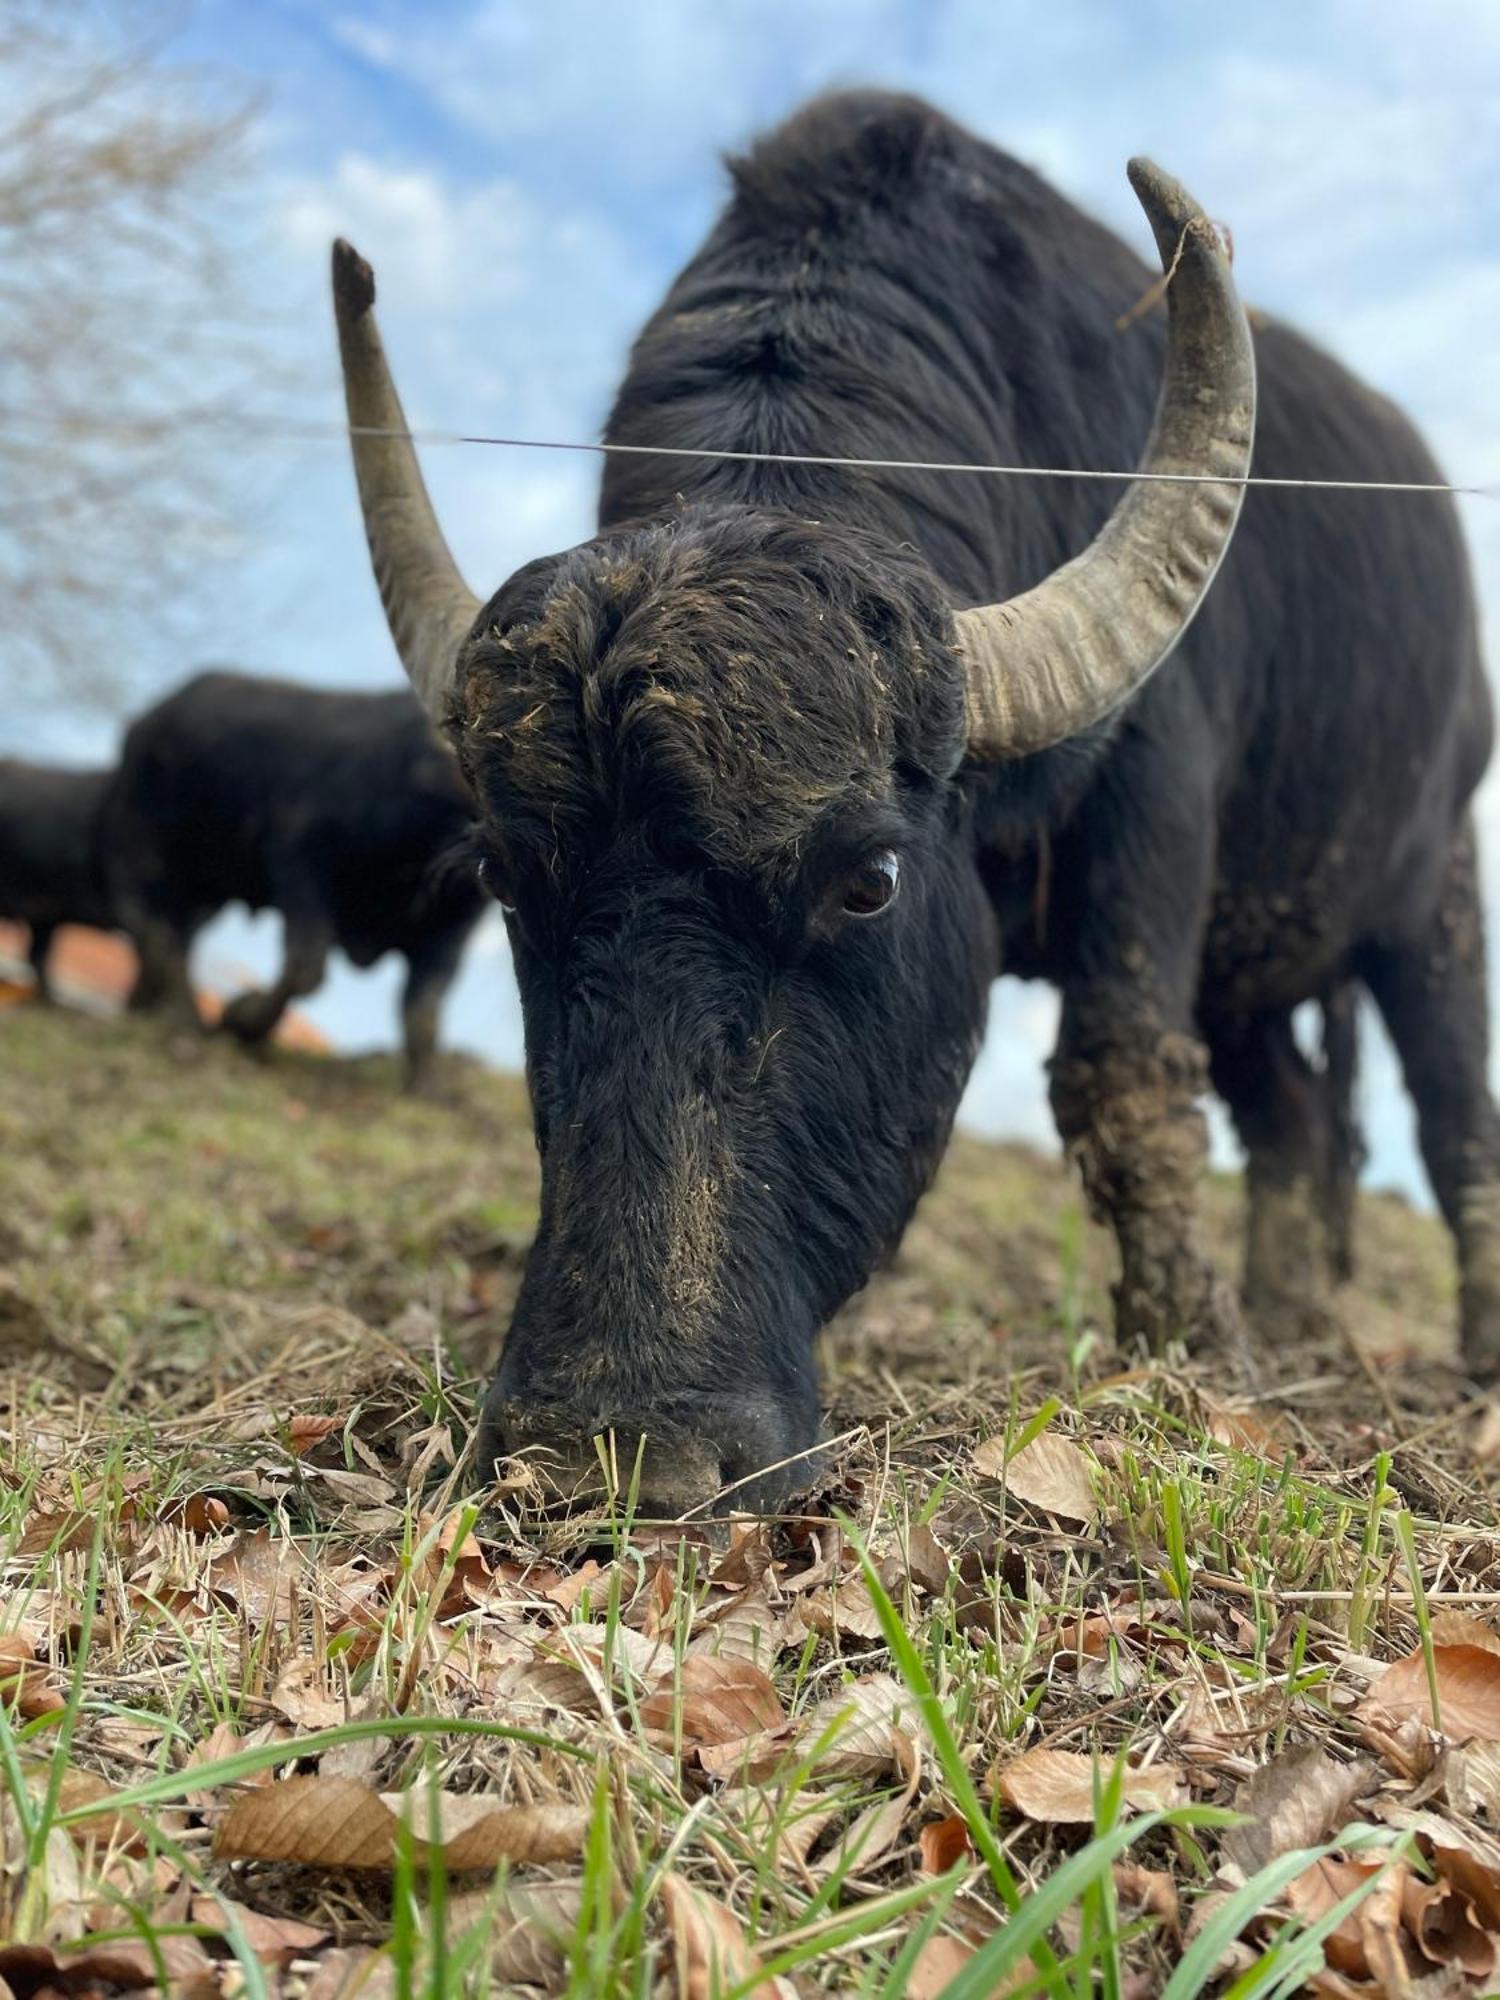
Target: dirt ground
291,1705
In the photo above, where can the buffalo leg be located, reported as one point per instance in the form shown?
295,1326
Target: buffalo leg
253,1017
41,945
1297,1222
162,985
430,972
1431,988
1346,1154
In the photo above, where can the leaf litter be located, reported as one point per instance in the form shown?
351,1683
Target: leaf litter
1170,1587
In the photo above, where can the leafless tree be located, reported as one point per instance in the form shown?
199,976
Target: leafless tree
121,339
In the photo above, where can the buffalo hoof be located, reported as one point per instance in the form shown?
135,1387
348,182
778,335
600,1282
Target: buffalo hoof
250,1017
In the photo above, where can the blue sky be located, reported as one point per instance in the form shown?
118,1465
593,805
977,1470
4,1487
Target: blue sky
526,177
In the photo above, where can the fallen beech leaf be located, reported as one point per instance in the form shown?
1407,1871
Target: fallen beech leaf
1297,1800
353,1972
274,1940
709,1946
528,1928
1470,1776
200,1515
870,1719
937,1964
847,1611
458,1567
258,1576
1060,1786
303,1696
1457,1628
1050,1473
712,1701
1149,1891
224,1741
1446,1927
1468,1687
1367,1943
749,1627
341,1823
305,1431
125,1964
942,1842
873,1833
1245,1428
24,1682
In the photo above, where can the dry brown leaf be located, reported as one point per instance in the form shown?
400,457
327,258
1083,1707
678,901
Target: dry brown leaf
1367,1944
199,1515
1243,1427
1470,1777
126,1965
1148,1892
224,1741
1060,1786
455,1567
341,1823
846,1611
1446,1928
259,1576
274,1940
1051,1473
872,1834
1297,1800
1468,1687
709,1946
529,1927
749,1627
302,1694
1458,1628
712,1701
353,1972
23,1682
942,1842
868,1722
937,1965
305,1431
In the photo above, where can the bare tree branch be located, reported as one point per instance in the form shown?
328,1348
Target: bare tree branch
121,329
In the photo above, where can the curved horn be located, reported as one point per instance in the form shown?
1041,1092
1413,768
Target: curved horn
428,606
1045,664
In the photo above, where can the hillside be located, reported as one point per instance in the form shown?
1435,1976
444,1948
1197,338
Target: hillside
244,1309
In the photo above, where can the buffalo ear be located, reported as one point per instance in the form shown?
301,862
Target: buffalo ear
1047,664
428,606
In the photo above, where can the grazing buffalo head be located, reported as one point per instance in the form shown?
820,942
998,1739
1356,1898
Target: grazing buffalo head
719,760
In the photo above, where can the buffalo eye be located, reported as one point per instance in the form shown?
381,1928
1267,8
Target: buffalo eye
493,882
873,885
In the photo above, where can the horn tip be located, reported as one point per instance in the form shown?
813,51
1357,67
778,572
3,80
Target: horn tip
353,281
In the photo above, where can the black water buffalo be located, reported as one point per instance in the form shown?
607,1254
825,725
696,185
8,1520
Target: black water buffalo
50,871
342,811
778,771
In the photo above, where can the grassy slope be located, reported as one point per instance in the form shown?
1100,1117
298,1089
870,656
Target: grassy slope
195,1251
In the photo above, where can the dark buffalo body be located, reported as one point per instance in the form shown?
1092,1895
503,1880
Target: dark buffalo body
50,872
696,739
342,811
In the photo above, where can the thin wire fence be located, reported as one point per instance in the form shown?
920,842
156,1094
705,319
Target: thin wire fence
35,429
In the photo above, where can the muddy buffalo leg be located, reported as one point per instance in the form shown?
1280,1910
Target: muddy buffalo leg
1430,985
1283,1113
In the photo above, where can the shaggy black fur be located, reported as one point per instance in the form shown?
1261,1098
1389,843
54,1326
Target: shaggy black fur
339,810
686,735
49,854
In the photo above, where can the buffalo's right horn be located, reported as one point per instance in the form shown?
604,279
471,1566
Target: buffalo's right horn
428,606
1065,654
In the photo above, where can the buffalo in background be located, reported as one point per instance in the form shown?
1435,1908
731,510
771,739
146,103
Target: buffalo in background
51,869
783,767
341,811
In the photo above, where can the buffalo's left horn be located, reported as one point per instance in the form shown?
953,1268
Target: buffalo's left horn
1048,663
428,606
